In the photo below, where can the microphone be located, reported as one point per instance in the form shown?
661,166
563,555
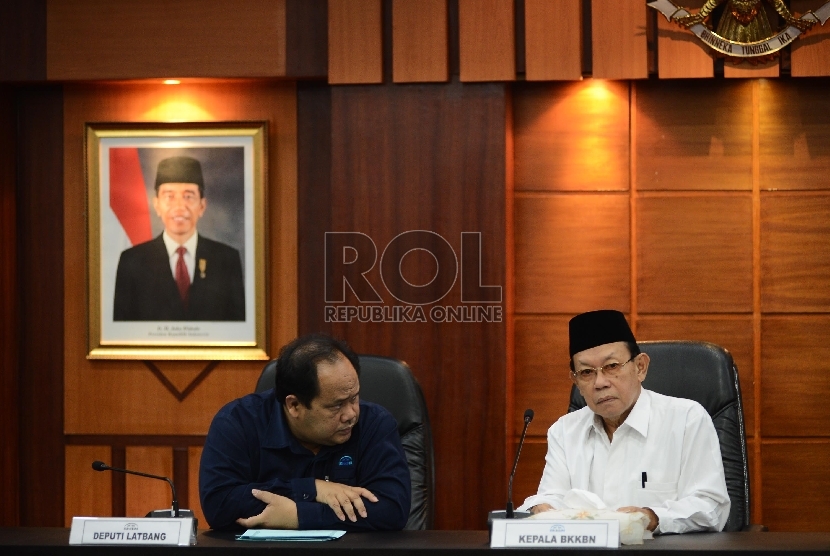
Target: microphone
508,514
101,466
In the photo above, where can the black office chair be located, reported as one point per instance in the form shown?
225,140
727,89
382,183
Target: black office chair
390,383
705,373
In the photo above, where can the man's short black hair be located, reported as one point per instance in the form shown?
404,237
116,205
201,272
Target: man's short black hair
297,365
633,351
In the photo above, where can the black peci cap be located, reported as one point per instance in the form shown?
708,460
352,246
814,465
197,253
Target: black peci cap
180,169
597,328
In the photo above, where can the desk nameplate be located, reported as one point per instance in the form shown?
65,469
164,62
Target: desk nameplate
549,533
139,531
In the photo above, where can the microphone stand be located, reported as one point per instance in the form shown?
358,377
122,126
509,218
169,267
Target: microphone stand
174,512
509,513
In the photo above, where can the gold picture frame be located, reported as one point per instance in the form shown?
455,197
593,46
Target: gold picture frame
135,309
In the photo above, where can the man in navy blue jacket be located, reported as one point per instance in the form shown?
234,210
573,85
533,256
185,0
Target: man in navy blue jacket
307,454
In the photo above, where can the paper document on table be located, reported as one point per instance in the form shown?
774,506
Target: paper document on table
283,535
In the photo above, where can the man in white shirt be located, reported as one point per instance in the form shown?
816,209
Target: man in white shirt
631,449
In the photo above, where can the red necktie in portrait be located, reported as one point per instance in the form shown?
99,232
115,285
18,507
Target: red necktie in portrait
182,277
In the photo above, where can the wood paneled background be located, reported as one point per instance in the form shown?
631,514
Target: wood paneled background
696,206
385,160
711,225
135,418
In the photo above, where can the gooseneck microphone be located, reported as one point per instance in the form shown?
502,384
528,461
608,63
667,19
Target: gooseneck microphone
508,514
101,466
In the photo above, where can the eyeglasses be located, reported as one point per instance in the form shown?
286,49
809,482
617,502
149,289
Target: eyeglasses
611,370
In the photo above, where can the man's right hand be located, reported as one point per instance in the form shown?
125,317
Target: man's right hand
539,508
343,499
279,513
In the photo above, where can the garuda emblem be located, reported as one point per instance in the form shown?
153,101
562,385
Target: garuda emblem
743,29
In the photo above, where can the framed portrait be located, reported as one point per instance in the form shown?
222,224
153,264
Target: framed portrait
176,240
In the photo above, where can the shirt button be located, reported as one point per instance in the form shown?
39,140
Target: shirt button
305,496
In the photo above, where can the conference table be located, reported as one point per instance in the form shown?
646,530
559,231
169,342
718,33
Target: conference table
46,540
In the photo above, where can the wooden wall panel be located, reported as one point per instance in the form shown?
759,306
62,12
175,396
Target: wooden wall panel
420,41
618,39
728,191
355,41
143,494
133,39
794,379
553,40
128,398
796,486
306,38
194,456
88,492
572,137
531,465
680,54
562,242
23,41
9,317
40,217
387,160
795,252
486,36
694,254
794,124
748,70
810,55
543,380
693,136
732,332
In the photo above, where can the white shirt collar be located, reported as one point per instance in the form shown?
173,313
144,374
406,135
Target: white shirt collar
637,419
171,244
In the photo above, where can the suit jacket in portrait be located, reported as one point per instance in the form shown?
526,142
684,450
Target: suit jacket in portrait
145,289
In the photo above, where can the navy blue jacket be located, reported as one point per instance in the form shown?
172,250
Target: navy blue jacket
249,446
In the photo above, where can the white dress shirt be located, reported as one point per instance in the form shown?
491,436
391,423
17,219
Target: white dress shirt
189,256
671,440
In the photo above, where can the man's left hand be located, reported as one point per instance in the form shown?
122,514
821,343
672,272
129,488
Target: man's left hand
653,520
280,513
345,500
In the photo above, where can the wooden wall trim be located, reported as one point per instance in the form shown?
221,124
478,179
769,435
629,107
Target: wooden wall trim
618,39
553,40
135,39
748,70
486,35
9,317
23,41
355,41
306,38
680,53
124,440
757,508
40,228
420,47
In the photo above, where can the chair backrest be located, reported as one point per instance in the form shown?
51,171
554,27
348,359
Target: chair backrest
705,373
390,383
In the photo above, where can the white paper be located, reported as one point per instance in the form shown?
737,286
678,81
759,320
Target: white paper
289,535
